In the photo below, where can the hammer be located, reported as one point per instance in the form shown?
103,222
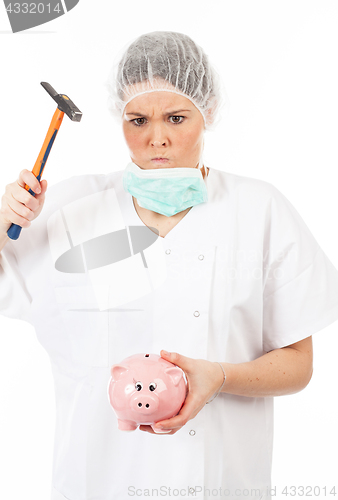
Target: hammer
65,105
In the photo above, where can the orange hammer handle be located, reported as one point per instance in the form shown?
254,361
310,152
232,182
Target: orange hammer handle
46,147
15,230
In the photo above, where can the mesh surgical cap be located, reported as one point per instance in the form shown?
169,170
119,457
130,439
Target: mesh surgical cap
166,61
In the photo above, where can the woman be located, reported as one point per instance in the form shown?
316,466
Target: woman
234,286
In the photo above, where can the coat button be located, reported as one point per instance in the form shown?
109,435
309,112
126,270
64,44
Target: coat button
192,432
196,314
191,490
168,251
201,257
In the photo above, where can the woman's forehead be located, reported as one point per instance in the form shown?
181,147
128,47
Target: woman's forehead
163,101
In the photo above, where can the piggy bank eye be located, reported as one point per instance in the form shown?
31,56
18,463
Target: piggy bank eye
152,386
138,386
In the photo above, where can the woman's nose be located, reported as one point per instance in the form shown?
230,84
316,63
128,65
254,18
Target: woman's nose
158,137
158,144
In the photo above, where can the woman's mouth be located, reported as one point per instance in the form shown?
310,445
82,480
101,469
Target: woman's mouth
159,160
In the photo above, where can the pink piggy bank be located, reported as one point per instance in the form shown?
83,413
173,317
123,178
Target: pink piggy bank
145,389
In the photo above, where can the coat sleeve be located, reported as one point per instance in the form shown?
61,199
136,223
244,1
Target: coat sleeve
300,282
15,300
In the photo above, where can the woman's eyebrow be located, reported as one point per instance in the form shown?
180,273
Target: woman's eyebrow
167,113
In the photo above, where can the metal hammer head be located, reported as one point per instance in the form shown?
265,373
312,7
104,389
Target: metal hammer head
64,103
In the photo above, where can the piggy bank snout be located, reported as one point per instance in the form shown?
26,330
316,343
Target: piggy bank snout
143,403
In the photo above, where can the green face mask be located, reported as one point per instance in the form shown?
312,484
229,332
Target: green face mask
166,191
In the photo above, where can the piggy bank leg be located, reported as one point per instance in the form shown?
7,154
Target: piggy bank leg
159,431
124,425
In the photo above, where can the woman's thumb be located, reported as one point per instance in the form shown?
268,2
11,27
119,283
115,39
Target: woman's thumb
176,359
43,185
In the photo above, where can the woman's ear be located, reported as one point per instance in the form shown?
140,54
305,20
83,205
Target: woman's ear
211,111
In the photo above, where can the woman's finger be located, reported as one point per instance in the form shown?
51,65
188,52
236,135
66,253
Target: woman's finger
21,195
27,177
20,211
188,411
19,206
183,362
148,428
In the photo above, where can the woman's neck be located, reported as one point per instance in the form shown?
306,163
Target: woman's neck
205,170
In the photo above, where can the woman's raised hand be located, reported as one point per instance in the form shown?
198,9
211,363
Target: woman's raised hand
204,379
18,206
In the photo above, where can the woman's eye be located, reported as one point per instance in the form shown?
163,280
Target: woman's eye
141,121
138,121
177,119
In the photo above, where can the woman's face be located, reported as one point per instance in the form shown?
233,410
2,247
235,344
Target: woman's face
163,125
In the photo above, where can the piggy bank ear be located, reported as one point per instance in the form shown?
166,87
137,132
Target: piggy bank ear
175,374
117,370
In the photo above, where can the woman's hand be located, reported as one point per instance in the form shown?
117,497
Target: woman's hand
18,206
204,379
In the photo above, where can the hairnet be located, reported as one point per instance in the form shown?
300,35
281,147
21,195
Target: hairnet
166,61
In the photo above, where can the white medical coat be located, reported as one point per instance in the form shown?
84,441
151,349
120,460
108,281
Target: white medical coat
243,276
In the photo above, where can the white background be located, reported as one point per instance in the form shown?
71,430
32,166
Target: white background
278,61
